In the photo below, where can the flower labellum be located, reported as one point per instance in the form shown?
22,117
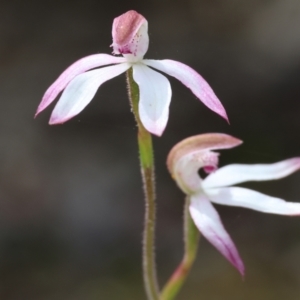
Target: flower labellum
188,156
130,35
130,39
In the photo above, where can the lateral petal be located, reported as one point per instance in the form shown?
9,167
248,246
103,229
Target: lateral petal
81,90
191,79
210,225
234,174
155,98
242,197
80,66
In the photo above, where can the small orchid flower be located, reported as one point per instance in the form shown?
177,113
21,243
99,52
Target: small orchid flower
191,154
130,38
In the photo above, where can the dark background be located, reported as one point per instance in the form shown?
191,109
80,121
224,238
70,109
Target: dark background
71,203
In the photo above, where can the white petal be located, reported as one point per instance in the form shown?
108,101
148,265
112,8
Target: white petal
191,79
208,222
81,90
242,197
155,98
234,174
79,67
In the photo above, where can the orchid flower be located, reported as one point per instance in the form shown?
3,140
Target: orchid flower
191,154
130,38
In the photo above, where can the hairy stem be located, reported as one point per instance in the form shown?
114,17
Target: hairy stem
191,241
147,171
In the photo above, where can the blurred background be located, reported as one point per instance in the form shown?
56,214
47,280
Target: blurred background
71,202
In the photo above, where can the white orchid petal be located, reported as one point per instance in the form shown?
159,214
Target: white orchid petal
80,66
155,98
191,79
208,222
81,90
242,197
234,174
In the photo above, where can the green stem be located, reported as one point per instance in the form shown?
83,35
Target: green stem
191,241
147,171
